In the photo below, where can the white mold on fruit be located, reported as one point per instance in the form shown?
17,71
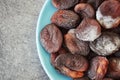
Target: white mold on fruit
107,21
89,34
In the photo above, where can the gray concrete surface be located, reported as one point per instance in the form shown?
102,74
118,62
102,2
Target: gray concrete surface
18,55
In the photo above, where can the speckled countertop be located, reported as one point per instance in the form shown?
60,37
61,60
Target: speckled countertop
18,54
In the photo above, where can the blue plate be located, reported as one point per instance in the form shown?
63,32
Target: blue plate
44,19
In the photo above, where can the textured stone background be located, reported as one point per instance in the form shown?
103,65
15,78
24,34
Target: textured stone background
18,55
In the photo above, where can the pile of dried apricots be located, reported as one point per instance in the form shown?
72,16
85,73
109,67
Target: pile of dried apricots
83,39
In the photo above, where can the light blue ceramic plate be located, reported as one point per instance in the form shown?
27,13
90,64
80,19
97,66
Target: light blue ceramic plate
44,19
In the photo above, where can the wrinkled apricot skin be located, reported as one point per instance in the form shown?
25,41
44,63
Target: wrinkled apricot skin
74,62
53,56
65,18
51,38
71,65
98,68
85,10
75,45
107,8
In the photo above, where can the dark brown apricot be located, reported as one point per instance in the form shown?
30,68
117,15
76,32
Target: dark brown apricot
72,63
53,56
75,45
98,68
65,18
107,8
51,38
85,10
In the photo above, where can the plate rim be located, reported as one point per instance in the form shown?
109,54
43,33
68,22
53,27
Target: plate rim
38,45
37,30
